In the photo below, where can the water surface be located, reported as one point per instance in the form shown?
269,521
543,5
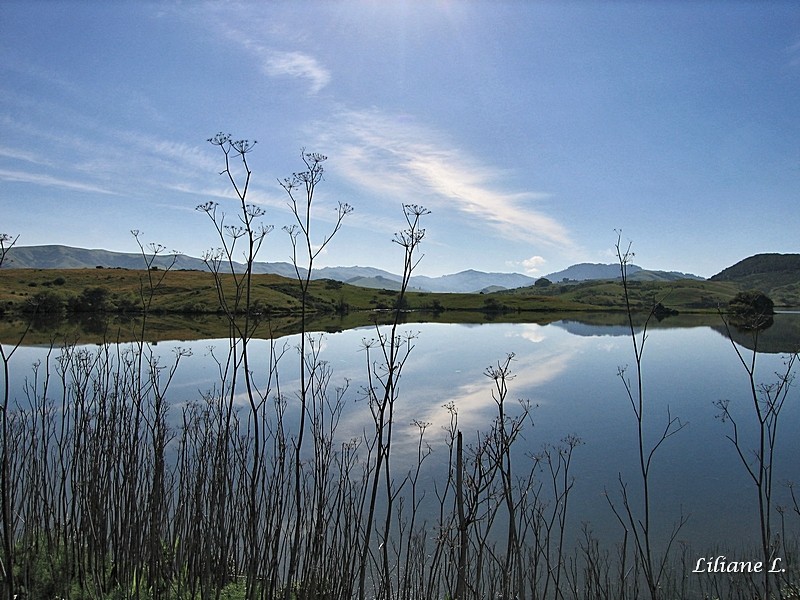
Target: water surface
569,370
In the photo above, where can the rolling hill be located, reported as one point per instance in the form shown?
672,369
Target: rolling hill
771,270
777,275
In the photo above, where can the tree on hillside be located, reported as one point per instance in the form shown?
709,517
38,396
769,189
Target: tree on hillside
751,310
91,300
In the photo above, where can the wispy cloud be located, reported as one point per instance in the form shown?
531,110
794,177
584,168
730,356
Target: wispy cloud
50,181
296,64
221,192
395,157
170,155
22,155
116,162
257,38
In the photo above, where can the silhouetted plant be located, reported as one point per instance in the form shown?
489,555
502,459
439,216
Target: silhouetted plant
300,189
238,306
381,392
758,453
6,243
638,523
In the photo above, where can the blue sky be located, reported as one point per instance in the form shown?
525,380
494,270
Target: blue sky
531,130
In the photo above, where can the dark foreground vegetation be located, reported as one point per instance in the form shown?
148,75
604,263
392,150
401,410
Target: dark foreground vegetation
111,491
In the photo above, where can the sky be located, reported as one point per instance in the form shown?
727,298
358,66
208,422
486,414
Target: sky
534,132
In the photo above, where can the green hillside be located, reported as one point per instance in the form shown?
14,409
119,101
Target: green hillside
685,295
195,292
777,275
63,292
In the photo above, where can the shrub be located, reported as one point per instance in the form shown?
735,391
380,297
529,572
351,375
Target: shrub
127,304
751,310
492,305
435,306
91,300
48,303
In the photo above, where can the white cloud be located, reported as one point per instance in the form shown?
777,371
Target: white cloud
473,398
296,64
533,332
395,157
532,264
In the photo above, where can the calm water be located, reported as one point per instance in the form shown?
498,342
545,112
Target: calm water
569,371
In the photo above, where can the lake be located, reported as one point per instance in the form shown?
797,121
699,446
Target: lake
568,370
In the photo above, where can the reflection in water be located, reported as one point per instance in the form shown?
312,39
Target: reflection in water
568,370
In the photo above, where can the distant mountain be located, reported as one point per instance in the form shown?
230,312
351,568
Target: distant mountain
584,271
471,281
346,274
378,282
588,271
66,257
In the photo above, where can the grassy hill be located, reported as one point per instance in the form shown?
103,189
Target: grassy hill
194,292
777,275
88,303
67,300
685,295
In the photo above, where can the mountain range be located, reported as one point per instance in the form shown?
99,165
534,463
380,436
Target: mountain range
67,257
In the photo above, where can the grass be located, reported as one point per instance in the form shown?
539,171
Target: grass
686,295
195,292
334,306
